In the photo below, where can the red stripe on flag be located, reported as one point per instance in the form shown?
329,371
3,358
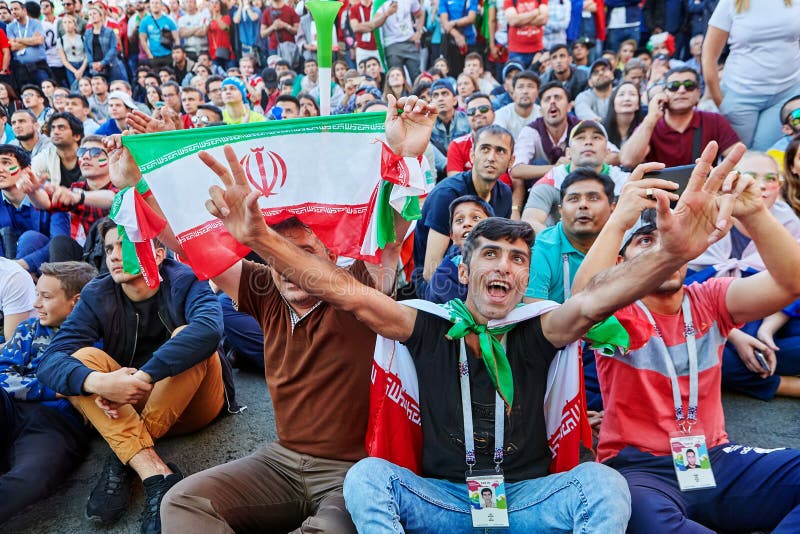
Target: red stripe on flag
210,249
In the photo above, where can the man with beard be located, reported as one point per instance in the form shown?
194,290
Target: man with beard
491,156
523,108
542,143
26,131
677,335
588,148
450,123
58,162
561,70
592,104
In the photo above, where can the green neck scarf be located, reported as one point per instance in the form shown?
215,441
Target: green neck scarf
492,351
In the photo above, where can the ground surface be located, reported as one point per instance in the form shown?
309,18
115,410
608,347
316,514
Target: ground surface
749,421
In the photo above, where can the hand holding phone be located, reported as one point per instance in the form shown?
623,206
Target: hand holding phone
762,361
680,175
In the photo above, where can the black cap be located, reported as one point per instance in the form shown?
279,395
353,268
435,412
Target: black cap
600,61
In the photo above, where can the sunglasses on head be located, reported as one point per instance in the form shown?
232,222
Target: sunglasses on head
200,118
793,119
478,109
673,87
93,152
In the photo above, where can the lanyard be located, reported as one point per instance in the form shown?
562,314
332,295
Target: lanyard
466,408
685,420
567,284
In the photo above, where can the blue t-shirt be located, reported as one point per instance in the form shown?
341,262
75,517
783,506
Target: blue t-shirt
29,54
457,9
436,213
248,29
547,265
108,128
153,30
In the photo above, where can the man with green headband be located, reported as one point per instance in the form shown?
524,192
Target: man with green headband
494,381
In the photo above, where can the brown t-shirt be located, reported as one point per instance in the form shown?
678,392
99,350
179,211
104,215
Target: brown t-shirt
318,375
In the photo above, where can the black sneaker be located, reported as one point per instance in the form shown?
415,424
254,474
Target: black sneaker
155,488
109,498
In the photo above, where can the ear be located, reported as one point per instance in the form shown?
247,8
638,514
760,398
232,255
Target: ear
620,259
786,129
567,152
160,254
74,300
463,273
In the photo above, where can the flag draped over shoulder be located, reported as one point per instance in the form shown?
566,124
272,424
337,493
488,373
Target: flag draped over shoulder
394,431
332,173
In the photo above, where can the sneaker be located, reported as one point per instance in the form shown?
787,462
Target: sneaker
155,488
109,498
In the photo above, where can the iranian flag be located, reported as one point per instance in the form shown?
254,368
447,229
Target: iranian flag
333,173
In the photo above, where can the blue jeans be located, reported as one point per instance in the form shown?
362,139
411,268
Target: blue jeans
382,498
756,117
523,59
615,37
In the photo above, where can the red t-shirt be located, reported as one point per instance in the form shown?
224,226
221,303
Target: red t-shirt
361,13
458,157
674,148
287,15
637,392
4,40
219,38
524,39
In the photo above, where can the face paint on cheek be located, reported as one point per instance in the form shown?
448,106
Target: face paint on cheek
102,162
13,170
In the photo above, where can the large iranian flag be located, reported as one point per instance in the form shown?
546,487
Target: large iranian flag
333,173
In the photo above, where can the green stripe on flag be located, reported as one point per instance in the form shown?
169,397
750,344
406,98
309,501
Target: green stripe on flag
153,151
377,33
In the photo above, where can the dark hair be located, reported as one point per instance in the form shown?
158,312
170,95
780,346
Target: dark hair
487,490
556,47
306,96
83,99
51,80
171,83
282,63
583,174
495,229
288,98
73,275
692,451
476,96
212,79
74,124
493,129
681,70
143,68
123,82
27,112
373,103
33,9
420,87
611,123
13,97
552,85
212,108
97,77
785,111
48,1
166,68
475,199
21,155
178,46
526,75
791,182
310,60
190,89
107,224
293,223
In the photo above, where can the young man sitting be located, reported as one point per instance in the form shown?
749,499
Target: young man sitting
44,438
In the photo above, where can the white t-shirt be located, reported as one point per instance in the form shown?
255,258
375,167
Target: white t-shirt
17,292
507,118
51,44
194,44
765,46
399,27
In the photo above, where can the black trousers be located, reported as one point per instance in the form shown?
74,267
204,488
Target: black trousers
39,447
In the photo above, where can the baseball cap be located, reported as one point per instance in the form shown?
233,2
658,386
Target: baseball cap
600,61
443,83
583,125
585,41
647,224
125,97
511,65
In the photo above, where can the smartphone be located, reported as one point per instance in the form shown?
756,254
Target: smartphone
159,104
680,175
761,360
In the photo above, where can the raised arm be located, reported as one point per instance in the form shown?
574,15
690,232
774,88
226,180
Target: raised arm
636,148
703,215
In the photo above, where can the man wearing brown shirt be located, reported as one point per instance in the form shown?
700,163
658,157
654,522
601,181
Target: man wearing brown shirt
317,364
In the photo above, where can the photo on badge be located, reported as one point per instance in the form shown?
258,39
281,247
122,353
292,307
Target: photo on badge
692,463
487,496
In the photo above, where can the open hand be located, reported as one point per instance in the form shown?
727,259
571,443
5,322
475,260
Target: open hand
122,167
704,213
408,134
236,205
639,194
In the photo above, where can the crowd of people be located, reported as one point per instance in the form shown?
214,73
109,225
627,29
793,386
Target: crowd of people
636,162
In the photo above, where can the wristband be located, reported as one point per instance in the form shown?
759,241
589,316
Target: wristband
83,198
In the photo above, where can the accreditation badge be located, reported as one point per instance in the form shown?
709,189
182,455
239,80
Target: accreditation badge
487,498
691,460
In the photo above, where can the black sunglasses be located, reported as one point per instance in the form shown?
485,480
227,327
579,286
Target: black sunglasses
478,109
94,152
673,87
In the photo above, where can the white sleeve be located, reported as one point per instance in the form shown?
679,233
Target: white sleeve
525,146
722,17
18,293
